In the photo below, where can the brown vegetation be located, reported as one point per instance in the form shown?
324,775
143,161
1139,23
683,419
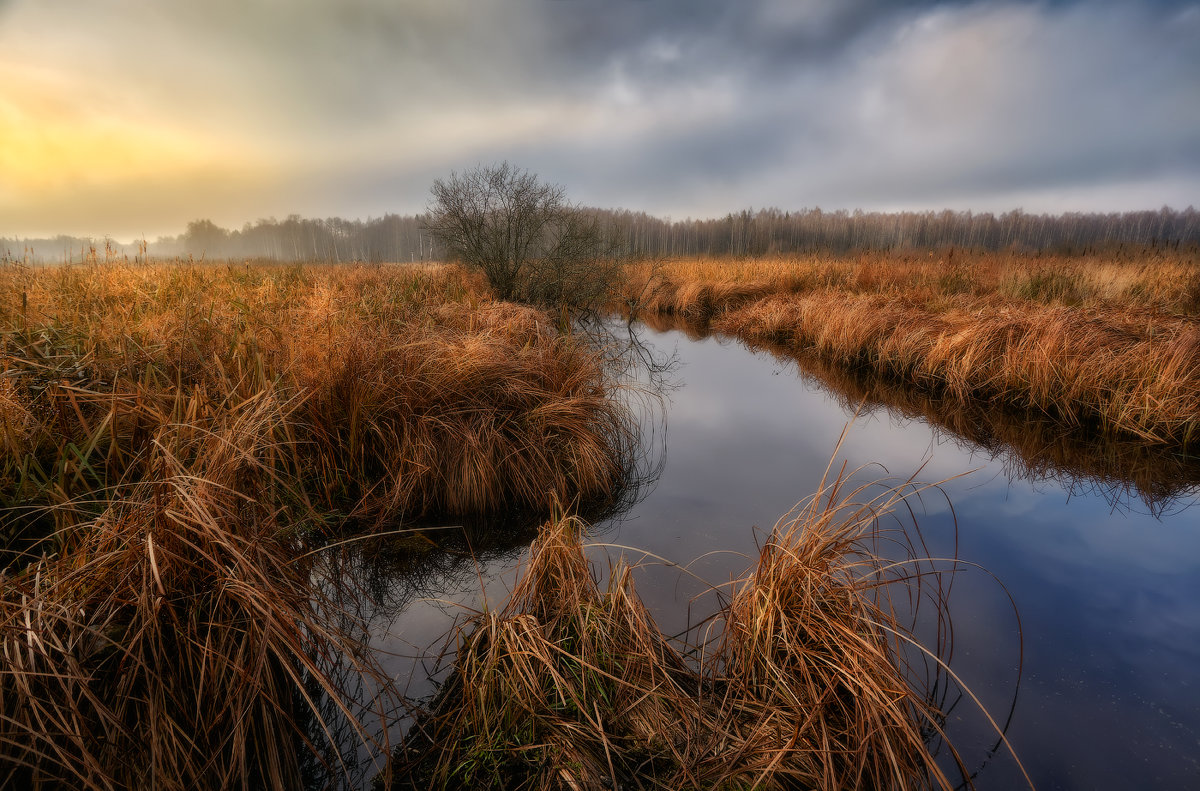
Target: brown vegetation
171,433
1031,444
808,684
410,391
174,642
1087,341
177,439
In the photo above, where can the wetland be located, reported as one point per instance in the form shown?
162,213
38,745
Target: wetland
335,526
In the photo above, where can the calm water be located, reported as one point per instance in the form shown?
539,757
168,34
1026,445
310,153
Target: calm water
1107,588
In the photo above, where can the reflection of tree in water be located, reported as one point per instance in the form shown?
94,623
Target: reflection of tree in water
369,582
1031,445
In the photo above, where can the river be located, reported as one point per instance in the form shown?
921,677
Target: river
1098,687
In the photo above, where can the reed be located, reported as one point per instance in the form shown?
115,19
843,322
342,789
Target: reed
474,414
176,439
173,642
812,682
1030,444
415,392
817,658
1092,342
565,686
1156,279
1085,368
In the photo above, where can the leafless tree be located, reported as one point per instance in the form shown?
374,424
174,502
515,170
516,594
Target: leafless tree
523,234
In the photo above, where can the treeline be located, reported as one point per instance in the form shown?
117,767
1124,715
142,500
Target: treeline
389,238
746,233
768,231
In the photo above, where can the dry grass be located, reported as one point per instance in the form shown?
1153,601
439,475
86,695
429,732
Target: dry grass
174,434
1031,445
415,392
1082,367
1096,342
566,686
1155,279
173,643
813,682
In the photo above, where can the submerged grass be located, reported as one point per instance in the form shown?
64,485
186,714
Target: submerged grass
1090,342
813,681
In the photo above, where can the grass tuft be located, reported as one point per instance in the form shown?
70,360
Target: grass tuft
814,679
171,643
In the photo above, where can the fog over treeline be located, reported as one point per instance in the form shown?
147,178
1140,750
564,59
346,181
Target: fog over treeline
749,232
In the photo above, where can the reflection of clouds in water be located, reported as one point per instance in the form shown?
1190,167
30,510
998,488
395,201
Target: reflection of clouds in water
1108,601
1107,596
1098,540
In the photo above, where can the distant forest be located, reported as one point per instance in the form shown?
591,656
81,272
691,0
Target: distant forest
747,233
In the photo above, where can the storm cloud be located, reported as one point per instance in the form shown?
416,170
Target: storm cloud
135,116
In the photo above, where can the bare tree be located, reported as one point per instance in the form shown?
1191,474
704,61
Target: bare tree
527,239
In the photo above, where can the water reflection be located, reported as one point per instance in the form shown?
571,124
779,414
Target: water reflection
1031,446
1107,597
1092,540
401,592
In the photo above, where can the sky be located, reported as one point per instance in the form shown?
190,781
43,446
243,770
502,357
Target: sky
131,117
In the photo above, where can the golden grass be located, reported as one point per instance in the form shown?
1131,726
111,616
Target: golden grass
1031,445
1096,342
808,685
1159,279
563,687
415,393
173,643
174,434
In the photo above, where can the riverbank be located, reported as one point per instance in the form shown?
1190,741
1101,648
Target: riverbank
1099,343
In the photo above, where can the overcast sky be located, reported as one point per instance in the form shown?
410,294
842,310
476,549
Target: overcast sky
131,117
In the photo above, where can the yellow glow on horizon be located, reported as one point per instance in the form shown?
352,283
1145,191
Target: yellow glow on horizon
54,140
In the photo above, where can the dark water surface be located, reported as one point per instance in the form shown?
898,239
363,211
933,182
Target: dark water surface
1107,586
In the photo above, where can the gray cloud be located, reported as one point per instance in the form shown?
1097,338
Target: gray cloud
678,107
942,105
